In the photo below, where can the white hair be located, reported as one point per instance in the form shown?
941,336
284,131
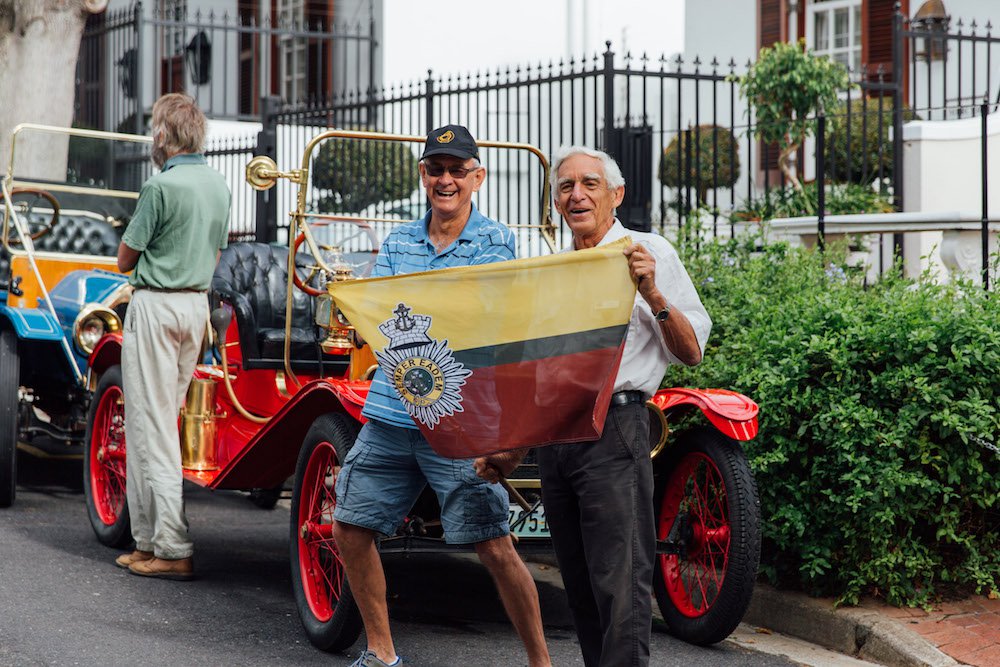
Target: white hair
612,172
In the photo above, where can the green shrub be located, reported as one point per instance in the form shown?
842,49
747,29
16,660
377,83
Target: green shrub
703,160
874,406
857,165
787,202
356,174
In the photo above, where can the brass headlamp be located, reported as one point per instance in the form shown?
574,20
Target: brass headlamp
91,324
339,332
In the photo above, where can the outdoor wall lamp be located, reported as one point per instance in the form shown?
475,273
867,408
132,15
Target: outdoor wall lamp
198,55
126,73
934,19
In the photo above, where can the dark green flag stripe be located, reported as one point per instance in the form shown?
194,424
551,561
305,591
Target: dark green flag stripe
541,348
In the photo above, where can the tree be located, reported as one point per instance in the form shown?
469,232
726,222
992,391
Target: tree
356,174
786,87
870,146
39,44
706,165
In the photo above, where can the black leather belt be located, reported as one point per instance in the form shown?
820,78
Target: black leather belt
168,290
627,397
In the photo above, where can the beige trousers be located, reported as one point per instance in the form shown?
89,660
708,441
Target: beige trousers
160,347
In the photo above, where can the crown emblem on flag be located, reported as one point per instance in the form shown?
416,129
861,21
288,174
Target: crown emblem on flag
406,331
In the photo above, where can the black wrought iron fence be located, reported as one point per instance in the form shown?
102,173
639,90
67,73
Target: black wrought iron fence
679,129
227,61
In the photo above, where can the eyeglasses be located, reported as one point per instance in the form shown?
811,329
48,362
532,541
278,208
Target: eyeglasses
457,173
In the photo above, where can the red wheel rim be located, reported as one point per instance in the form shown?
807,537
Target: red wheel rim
107,456
320,565
696,491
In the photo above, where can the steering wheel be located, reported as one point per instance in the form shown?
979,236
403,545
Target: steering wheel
359,262
26,201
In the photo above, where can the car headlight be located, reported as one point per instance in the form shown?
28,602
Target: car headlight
93,322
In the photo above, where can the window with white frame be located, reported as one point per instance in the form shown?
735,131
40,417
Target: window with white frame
294,50
833,29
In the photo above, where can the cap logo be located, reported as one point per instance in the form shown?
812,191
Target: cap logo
446,137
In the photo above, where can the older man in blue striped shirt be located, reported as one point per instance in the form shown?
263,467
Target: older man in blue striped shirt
391,461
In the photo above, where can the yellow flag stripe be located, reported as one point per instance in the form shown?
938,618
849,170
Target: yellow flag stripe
504,302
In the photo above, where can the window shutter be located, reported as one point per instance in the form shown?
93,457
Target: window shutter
876,40
770,29
769,13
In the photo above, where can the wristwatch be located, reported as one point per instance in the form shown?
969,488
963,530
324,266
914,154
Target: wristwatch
663,314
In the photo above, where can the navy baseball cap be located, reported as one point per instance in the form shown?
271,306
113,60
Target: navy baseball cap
453,140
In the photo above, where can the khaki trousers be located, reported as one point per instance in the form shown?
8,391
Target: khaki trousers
160,347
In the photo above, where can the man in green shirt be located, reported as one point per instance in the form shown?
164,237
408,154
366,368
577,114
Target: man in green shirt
171,246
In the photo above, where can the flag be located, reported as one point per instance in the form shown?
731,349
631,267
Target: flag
500,356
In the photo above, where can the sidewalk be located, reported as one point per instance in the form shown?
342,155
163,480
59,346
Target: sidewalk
952,633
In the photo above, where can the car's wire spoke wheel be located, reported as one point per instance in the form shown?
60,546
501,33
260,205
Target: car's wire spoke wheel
706,503
104,462
325,604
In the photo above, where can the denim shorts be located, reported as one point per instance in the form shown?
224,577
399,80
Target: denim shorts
385,471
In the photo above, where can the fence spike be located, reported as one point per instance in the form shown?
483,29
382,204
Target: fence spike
732,65
973,26
715,64
989,27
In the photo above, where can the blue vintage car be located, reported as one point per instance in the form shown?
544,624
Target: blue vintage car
66,200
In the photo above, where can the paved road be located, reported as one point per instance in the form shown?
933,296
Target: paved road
62,602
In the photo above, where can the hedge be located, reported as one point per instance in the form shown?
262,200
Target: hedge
878,407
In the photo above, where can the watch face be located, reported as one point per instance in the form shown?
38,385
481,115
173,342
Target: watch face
663,314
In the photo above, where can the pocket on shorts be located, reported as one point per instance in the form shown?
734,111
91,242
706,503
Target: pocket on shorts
481,503
356,456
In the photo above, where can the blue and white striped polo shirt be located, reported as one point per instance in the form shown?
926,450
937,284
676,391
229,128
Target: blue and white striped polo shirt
408,249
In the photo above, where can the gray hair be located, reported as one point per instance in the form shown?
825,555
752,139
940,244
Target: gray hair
612,172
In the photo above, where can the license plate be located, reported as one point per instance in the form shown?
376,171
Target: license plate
533,526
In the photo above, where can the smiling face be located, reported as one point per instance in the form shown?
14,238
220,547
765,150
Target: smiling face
450,191
583,199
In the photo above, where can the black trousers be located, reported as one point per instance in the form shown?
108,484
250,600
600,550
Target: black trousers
599,505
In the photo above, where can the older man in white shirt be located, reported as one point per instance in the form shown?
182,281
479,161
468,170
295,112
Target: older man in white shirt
599,495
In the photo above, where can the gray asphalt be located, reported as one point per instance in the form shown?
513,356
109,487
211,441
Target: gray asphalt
62,601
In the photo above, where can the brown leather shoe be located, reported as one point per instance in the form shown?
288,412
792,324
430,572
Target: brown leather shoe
125,560
181,569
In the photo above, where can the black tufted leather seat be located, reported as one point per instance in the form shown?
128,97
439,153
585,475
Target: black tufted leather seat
80,235
73,234
251,277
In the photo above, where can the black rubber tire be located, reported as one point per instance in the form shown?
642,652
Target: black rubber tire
105,484
10,372
338,625
692,458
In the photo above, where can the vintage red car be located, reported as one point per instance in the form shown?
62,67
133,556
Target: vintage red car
283,396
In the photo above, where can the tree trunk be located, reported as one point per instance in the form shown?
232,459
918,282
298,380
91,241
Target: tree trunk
786,166
39,45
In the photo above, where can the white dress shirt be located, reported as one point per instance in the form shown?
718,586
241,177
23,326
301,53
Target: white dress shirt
646,357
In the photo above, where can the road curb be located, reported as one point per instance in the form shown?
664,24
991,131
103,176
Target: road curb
862,633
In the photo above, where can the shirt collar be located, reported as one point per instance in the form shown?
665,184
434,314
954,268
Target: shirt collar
468,232
184,158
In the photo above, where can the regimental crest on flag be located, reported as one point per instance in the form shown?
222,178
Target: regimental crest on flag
423,370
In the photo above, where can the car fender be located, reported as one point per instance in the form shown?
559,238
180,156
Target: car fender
732,413
32,323
107,353
270,455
